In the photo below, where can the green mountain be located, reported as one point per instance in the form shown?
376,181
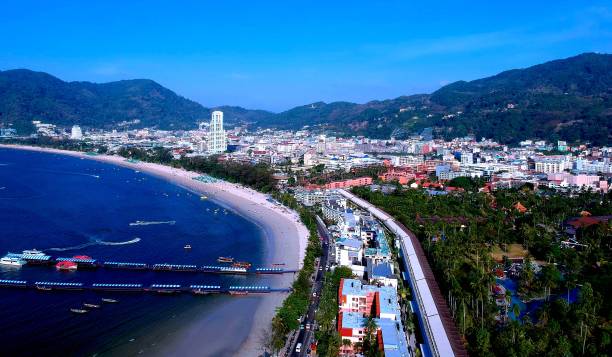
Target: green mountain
26,95
567,99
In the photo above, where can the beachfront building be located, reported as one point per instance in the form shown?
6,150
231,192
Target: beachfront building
380,273
349,253
333,209
313,197
217,141
359,301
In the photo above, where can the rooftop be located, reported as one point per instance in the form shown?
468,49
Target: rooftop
379,270
388,295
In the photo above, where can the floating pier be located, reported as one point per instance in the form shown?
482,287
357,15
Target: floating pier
54,285
117,287
137,287
123,265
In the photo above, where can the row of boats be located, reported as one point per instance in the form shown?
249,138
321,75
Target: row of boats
71,265
89,306
10,260
234,263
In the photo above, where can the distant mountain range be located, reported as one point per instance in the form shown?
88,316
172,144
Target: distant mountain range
26,95
567,99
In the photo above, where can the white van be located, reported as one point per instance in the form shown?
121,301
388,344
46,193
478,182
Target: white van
298,348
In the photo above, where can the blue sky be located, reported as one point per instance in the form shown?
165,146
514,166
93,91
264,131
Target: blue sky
278,54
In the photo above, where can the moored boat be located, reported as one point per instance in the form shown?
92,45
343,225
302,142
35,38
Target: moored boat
79,311
109,301
187,246
66,266
245,265
225,260
93,306
12,261
33,252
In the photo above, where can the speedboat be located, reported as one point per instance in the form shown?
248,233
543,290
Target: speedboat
225,260
12,261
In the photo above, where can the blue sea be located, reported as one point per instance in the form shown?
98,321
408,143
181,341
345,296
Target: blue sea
69,206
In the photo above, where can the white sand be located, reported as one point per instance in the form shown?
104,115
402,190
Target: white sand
283,229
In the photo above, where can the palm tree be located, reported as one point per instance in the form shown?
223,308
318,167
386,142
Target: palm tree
369,340
346,342
516,309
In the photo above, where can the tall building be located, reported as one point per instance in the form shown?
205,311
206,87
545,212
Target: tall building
76,133
217,141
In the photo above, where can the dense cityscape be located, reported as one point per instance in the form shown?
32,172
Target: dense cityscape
316,179
366,269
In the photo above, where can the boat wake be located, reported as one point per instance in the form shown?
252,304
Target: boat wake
92,243
149,223
68,173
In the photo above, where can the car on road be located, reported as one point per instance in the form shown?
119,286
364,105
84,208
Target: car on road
307,326
298,347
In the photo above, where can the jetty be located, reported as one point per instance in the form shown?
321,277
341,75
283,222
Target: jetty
165,288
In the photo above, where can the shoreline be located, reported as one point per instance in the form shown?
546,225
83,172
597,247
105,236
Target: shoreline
282,230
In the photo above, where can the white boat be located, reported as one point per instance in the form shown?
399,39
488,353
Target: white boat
12,261
33,252
148,223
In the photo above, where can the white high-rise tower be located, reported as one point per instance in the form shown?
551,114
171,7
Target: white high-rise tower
76,133
217,142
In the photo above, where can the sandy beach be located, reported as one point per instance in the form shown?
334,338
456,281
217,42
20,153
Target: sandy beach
286,236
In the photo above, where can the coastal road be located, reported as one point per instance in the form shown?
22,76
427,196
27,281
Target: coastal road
305,336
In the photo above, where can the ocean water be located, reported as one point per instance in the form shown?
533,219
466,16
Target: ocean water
69,206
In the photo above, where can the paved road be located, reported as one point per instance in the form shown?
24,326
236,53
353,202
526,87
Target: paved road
305,336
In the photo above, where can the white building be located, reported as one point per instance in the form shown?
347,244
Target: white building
408,160
76,133
217,141
552,164
467,158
